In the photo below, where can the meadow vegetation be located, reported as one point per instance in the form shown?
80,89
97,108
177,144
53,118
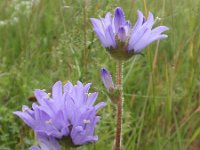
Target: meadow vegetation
43,41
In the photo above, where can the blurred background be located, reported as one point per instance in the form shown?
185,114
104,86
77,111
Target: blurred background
43,41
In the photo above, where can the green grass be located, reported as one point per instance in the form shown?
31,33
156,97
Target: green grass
161,89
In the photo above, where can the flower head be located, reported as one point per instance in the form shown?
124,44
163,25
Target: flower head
48,117
70,112
121,39
81,112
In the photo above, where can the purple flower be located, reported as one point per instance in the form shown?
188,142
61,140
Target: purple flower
82,113
107,80
49,117
121,39
69,112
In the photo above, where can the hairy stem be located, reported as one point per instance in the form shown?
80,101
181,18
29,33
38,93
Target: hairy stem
119,81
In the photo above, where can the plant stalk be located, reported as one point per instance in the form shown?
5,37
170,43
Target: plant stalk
119,82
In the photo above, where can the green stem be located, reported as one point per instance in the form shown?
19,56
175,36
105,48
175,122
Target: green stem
119,82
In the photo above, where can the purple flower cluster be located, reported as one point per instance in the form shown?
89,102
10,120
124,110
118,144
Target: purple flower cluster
68,113
121,39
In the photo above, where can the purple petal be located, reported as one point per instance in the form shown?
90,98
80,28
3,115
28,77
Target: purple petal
148,40
78,94
91,139
135,37
68,87
150,21
34,148
40,96
97,25
104,31
91,99
47,103
75,135
119,19
87,87
142,42
61,123
71,111
26,118
102,38
107,20
80,84
110,37
158,37
41,114
159,30
27,110
100,105
57,91
139,22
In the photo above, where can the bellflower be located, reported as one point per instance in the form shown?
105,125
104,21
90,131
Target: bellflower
69,112
81,112
48,117
121,39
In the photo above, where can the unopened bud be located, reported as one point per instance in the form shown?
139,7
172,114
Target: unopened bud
107,80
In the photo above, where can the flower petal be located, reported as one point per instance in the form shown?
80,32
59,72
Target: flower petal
68,87
119,19
135,37
57,91
139,22
100,105
150,21
26,118
143,42
102,38
158,37
107,20
41,96
97,25
110,37
34,148
159,30
91,99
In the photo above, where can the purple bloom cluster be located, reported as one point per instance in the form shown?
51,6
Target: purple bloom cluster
121,39
68,113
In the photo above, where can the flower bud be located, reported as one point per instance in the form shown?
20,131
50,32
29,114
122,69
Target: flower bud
107,80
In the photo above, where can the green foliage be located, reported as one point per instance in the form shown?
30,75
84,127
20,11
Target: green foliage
43,43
